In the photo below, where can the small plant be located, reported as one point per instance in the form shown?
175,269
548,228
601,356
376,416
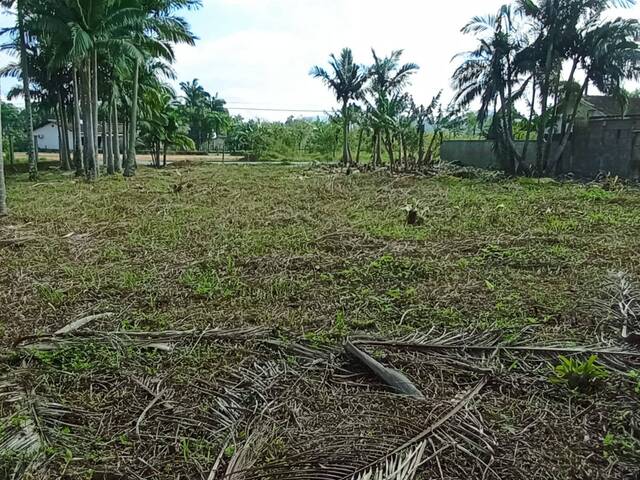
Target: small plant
579,375
414,215
634,375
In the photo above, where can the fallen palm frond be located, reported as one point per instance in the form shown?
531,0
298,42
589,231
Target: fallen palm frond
158,340
625,306
393,378
489,350
82,322
355,452
28,428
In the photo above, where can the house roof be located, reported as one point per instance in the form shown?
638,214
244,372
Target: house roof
610,106
44,124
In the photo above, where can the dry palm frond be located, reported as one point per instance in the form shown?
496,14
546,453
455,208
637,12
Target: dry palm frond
488,350
358,450
82,322
625,306
26,431
157,340
403,466
393,378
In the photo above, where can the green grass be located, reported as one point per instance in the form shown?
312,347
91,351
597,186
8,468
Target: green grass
293,247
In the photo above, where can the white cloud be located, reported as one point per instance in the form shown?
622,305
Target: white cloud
265,59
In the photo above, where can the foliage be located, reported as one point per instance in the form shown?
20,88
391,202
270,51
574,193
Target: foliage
577,374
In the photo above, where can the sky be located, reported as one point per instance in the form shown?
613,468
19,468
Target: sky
257,54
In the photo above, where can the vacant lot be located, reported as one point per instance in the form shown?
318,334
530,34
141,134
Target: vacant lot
315,257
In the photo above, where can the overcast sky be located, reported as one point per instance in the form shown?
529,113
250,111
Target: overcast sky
258,53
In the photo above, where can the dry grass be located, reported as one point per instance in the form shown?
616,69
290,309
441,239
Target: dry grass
317,257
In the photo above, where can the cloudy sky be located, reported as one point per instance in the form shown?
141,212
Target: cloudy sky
258,53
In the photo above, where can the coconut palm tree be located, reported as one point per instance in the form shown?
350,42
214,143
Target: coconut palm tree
3,187
560,30
386,100
22,9
347,80
490,74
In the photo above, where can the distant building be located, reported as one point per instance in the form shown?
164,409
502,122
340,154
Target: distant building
48,139
47,136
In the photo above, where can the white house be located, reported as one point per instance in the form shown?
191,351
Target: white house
47,136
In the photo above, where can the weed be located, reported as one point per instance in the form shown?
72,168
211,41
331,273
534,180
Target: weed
51,295
579,375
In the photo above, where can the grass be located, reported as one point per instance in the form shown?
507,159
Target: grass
293,247
316,255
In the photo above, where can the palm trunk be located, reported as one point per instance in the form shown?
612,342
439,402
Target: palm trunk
66,164
59,129
389,145
102,136
525,149
432,142
421,142
130,164
346,153
164,155
31,144
3,186
90,160
77,131
12,157
567,134
108,144
361,134
94,105
115,139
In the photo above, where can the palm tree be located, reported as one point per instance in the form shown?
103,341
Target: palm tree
388,101
22,7
561,35
3,187
347,80
490,73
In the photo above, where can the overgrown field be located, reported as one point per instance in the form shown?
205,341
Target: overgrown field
293,261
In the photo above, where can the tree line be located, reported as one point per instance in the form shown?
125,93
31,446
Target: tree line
544,54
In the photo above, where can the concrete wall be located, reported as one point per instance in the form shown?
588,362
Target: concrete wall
480,154
609,145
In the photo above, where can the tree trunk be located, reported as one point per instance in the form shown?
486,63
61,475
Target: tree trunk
525,149
94,105
361,134
164,155
77,130
24,63
3,187
389,145
65,137
544,101
346,153
115,138
429,154
108,142
59,129
421,142
103,137
90,160
12,156
130,164
569,131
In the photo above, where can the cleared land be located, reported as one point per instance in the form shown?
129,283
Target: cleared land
312,257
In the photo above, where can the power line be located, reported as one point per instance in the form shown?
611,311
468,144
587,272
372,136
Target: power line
261,109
